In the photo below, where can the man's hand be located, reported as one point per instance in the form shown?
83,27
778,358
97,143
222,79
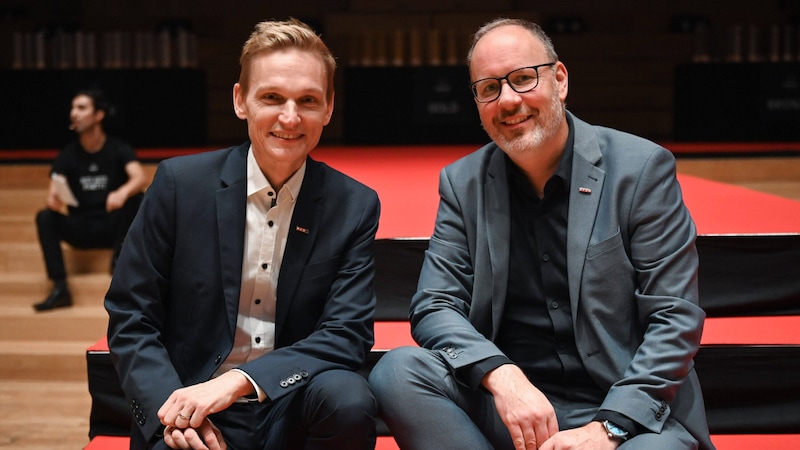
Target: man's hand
587,437
54,202
206,437
115,200
188,407
526,412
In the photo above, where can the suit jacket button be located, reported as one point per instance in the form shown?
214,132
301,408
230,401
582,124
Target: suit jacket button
284,384
217,359
659,416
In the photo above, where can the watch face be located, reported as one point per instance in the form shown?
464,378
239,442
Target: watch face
615,430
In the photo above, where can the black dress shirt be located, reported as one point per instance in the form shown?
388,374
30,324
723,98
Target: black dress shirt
537,332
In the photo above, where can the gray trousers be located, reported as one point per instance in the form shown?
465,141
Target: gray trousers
427,408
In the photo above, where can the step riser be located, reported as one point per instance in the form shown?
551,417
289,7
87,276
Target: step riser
22,202
54,326
51,367
27,258
25,176
30,294
85,289
27,300
79,299
18,231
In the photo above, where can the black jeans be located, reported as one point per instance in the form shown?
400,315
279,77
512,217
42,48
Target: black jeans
96,229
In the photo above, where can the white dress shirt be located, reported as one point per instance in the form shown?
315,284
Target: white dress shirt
268,218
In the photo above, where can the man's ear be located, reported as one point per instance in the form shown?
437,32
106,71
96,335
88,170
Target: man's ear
238,101
562,76
329,113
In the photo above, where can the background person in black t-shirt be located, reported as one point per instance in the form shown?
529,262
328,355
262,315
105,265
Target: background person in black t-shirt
107,182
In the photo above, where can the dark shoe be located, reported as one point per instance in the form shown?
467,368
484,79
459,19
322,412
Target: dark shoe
57,299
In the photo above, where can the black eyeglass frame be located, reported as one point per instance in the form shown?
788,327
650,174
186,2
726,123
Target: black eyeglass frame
508,82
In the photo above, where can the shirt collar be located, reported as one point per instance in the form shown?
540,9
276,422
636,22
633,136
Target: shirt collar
257,181
562,174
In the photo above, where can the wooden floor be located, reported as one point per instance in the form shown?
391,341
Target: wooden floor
44,399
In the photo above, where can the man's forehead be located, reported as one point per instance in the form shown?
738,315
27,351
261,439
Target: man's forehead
82,100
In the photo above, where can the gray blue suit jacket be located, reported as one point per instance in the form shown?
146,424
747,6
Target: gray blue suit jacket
174,297
632,270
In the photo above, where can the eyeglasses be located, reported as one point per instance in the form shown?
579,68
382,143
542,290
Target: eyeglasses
521,80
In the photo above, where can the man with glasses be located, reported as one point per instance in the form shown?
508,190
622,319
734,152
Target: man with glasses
557,303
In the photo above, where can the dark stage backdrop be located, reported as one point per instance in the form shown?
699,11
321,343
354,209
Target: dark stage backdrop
151,107
744,275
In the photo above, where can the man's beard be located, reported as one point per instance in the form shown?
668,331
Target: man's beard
548,122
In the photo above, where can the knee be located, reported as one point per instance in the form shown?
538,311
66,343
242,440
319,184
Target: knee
345,395
45,218
389,376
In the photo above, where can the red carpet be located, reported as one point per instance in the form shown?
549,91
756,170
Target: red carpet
766,330
407,179
722,442
720,208
121,443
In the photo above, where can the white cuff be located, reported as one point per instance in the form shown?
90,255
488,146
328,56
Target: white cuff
259,392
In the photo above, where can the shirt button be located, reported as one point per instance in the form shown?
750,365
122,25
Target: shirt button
270,223
258,301
545,257
258,340
554,305
264,266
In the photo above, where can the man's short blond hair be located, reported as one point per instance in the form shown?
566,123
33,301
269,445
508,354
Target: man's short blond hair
280,35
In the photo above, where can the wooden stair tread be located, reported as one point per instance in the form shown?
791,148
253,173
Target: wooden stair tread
41,347
83,277
23,323
43,360
61,406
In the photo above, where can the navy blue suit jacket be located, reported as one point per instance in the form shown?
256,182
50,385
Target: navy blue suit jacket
174,297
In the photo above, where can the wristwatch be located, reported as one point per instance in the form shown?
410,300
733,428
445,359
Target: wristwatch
615,431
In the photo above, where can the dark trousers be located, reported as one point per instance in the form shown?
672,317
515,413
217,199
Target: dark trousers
335,411
96,229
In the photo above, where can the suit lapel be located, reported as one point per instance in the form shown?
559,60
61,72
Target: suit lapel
303,231
584,197
498,228
231,207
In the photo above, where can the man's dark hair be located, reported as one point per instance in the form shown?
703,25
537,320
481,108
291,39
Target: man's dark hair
98,99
